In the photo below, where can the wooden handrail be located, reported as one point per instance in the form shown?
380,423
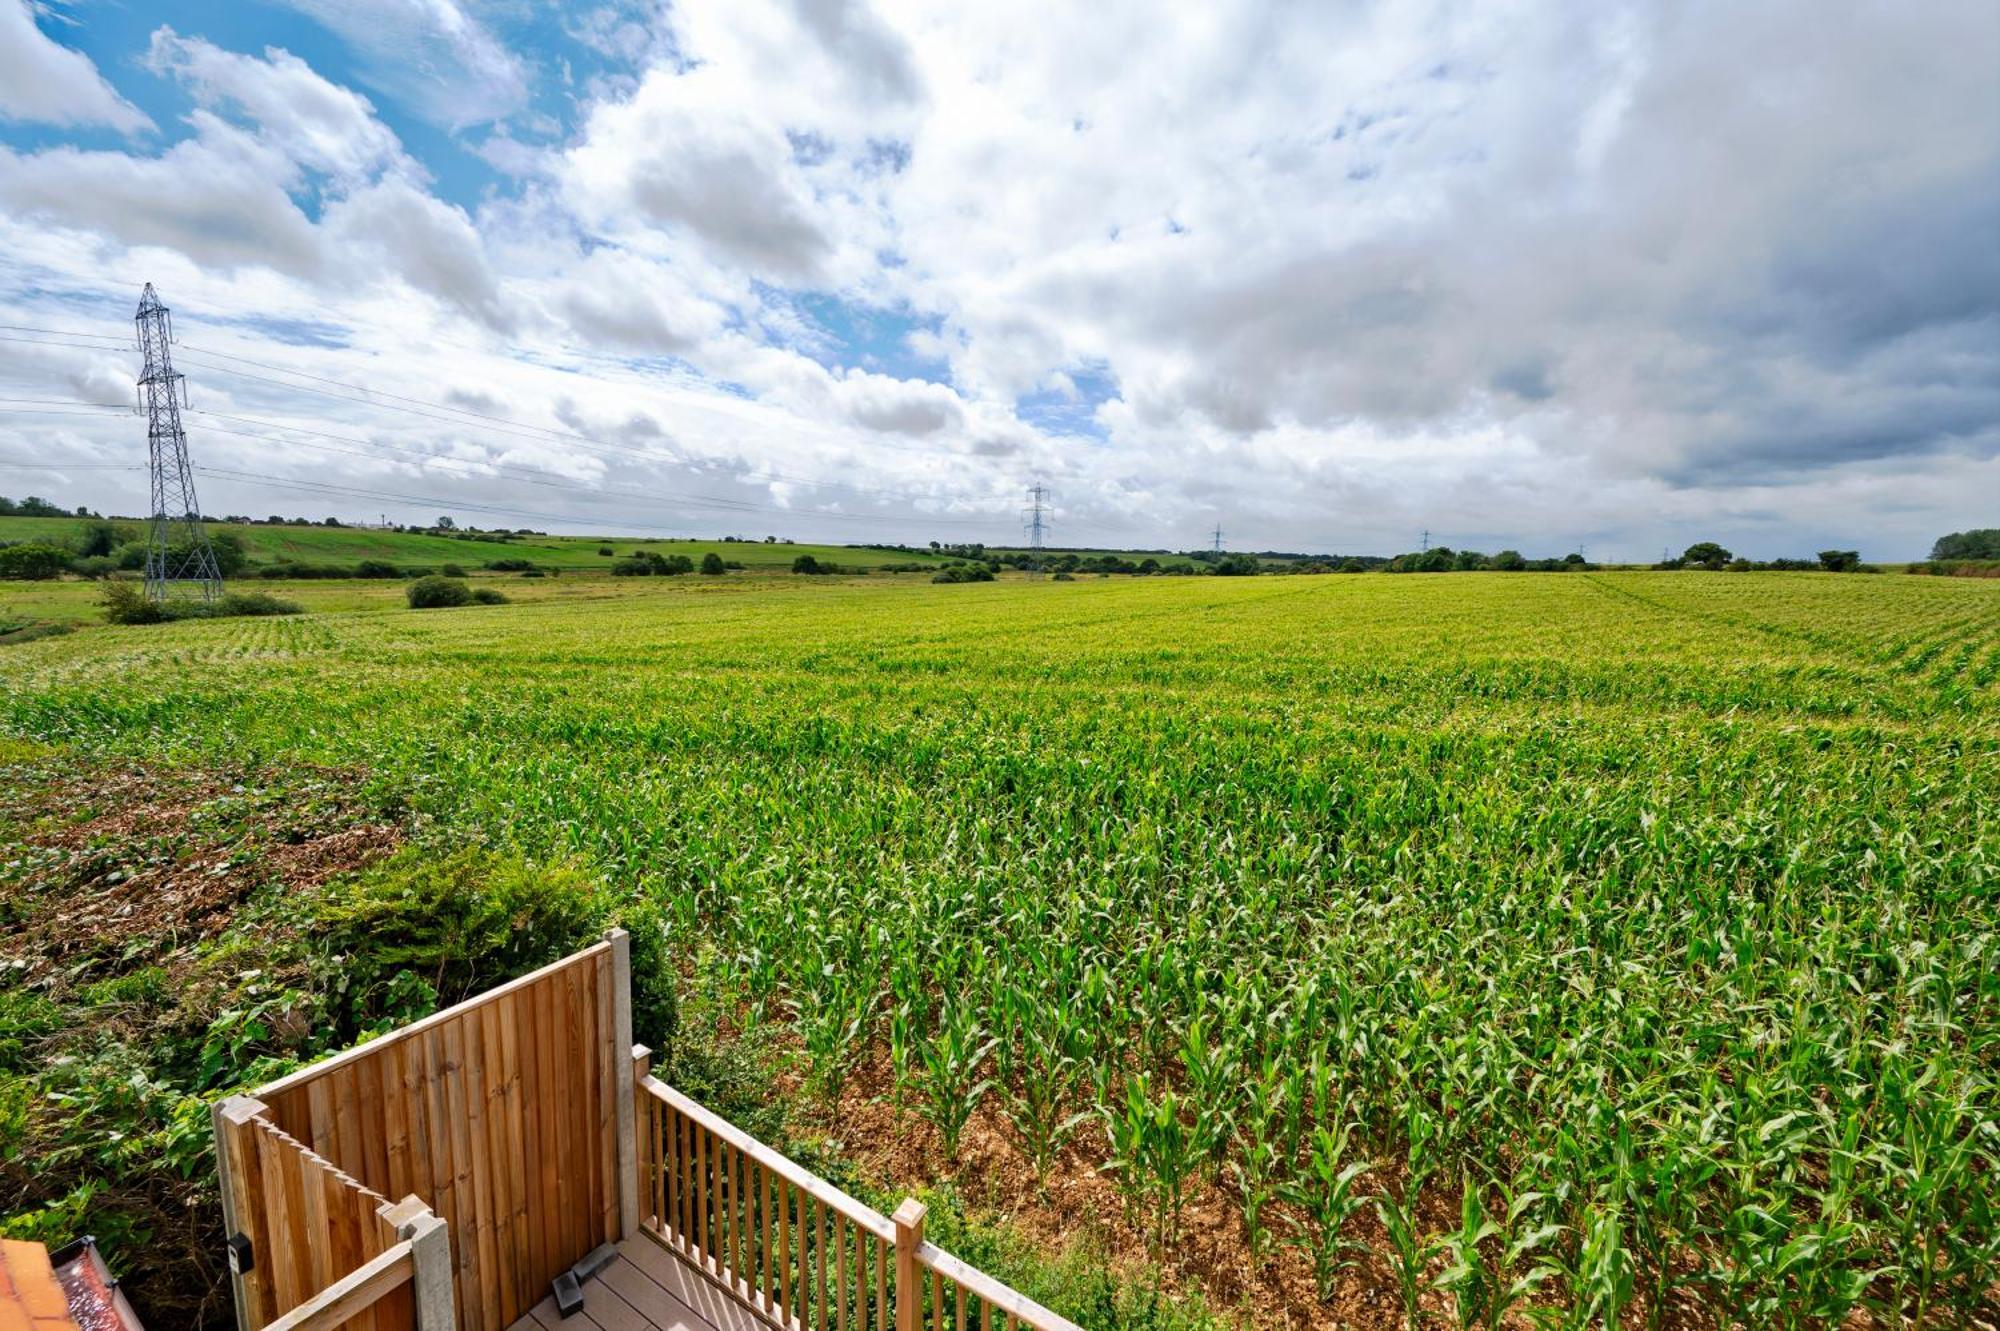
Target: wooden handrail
352,1294
990,1291
803,1179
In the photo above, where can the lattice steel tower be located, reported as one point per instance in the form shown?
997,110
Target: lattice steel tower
1036,524
180,561
1218,538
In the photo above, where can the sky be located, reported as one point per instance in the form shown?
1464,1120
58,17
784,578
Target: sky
1336,276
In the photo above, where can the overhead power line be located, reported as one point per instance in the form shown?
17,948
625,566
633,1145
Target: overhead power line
527,432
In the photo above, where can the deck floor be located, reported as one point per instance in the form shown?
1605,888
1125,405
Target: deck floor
647,1288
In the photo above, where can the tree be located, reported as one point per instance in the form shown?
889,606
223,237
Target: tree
1840,561
1574,559
1466,561
1509,561
1238,566
445,523
1979,543
711,564
1707,554
97,538
805,564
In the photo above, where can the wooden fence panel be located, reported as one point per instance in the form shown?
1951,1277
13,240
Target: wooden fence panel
495,1113
310,1225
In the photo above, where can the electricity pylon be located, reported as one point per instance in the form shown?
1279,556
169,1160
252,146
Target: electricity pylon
1036,522
180,561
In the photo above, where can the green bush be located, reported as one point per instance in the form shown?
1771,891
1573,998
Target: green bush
93,566
488,596
126,603
435,593
509,565
376,568
453,570
606,551
463,921
711,564
32,562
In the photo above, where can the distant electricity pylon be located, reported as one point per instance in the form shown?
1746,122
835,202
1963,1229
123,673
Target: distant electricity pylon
1217,539
179,559
1035,513
1427,540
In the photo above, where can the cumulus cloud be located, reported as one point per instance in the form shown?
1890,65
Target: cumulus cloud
315,123
44,81
1571,272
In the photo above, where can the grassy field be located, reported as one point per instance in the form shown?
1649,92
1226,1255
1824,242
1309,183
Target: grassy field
351,545
1610,944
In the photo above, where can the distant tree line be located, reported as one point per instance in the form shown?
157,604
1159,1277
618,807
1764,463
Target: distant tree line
1713,557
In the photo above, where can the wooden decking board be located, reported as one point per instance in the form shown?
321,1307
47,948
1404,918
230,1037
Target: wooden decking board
646,1289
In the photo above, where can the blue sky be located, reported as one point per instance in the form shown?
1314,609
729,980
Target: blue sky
1626,275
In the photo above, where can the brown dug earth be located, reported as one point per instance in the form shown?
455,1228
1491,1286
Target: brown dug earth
152,944
128,865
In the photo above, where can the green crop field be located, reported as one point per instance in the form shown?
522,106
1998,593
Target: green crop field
1586,943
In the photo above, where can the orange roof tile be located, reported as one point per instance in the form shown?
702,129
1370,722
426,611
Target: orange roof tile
30,1298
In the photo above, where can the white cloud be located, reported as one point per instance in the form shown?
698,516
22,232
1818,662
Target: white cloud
46,82
317,124
1567,272
432,55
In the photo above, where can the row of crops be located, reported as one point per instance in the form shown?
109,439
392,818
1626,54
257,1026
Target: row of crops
1622,945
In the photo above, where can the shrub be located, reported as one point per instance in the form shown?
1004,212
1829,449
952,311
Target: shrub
1059,577
970,573
606,551
509,565
435,593
93,566
646,564
452,570
463,921
488,596
252,604
808,565
32,562
376,568
99,538
711,564
126,603
534,573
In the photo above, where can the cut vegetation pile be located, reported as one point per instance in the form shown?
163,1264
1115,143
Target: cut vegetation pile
1368,949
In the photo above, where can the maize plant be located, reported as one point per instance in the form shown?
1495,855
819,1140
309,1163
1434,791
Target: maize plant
1670,898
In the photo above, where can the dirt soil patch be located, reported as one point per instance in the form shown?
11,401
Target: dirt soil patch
107,868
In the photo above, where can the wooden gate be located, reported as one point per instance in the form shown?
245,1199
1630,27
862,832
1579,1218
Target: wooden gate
503,1115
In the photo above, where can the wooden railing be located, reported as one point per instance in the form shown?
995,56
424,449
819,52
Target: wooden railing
792,1247
322,1249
